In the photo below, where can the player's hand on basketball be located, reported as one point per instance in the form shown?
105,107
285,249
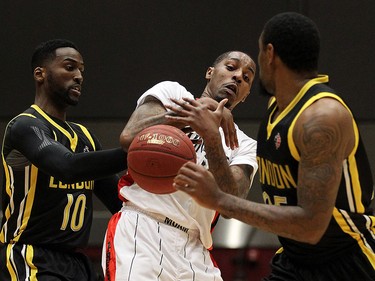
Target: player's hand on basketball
199,183
197,115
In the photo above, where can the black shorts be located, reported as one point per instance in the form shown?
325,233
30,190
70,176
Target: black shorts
27,262
352,266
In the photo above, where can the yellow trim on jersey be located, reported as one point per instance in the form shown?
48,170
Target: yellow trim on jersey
292,146
26,114
352,182
29,261
88,135
9,190
30,180
73,140
347,225
320,79
280,250
354,176
8,174
10,263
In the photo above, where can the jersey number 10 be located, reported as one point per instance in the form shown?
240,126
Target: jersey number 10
78,214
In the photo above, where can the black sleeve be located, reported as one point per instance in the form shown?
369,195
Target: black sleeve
107,192
33,139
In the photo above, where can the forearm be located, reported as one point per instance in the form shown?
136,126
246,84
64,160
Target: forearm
71,167
151,113
291,222
218,165
137,124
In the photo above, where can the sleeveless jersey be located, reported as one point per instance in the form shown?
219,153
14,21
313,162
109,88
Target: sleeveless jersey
38,209
352,223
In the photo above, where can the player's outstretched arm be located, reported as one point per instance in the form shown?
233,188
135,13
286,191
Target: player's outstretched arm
36,143
235,179
324,137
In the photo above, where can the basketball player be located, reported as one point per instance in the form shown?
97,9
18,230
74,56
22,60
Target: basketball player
313,168
51,167
168,237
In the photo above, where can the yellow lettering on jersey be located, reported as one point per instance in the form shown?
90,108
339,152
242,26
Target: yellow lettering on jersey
274,174
80,185
53,183
62,185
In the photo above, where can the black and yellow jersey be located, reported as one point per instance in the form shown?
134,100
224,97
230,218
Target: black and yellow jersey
50,168
352,223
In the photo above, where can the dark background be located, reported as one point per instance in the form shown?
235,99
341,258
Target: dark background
130,45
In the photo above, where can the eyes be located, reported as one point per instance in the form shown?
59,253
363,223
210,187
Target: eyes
72,67
232,67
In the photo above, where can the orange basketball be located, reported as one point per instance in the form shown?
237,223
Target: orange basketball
155,156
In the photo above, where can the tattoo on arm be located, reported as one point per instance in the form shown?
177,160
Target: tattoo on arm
320,163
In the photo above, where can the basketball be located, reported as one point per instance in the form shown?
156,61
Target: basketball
155,156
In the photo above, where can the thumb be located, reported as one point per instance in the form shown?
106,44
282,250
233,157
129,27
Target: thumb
221,105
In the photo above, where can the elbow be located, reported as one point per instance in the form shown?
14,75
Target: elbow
312,235
125,141
66,174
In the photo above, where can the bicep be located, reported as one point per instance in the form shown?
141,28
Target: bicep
323,138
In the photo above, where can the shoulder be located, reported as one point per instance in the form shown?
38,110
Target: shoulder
327,110
327,122
165,90
166,86
23,121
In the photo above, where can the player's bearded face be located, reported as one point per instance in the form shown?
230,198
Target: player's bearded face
60,92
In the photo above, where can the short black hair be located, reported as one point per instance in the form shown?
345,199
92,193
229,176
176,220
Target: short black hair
46,51
296,40
226,55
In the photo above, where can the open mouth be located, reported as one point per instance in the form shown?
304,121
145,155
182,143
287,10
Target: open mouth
76,89
232,88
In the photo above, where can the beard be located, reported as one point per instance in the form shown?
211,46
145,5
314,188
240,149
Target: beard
263,91
60,95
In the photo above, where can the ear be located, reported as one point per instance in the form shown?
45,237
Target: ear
39,74
209,72
270,52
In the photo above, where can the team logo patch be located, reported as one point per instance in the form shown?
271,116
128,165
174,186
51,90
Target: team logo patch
277,140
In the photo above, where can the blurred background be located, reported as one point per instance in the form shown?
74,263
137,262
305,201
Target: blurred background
130,45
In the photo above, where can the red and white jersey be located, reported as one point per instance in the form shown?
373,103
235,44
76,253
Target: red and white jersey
179,206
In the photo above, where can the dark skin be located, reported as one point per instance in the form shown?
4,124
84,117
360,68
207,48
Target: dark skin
324,137
229,82
58,85
58,82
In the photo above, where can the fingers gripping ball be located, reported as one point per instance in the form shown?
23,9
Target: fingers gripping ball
155,156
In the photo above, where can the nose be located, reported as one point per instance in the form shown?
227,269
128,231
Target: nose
237,76
78,77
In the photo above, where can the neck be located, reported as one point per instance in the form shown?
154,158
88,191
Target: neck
51,109
288,85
